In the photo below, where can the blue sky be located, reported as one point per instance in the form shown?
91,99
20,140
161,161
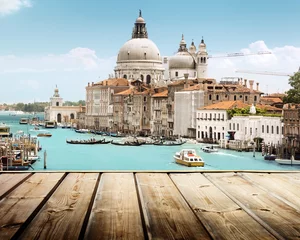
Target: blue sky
39,36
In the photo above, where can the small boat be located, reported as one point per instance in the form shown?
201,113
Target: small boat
127,143
270,157
189,157
287,161
44,135
168,143
82,130
24,121
102,141
209,149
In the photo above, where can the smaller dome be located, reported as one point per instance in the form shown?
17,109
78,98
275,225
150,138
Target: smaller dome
192,48
140,20
202,44
182,60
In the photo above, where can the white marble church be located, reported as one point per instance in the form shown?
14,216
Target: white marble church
59,113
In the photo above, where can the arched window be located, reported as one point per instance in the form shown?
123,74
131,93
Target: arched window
262,128
234,98
267,128
209,97
204,60
277,130
125,76
176,74
72,116
229,126
217,97
57,104
201,59
272,129
246,98
142,77
255,98
148,80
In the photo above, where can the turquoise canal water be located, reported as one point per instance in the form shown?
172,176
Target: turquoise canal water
63,156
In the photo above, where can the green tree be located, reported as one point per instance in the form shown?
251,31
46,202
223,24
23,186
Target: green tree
293,95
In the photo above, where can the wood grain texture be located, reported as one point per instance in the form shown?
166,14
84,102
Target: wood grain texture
222,217
167,215
20,203
115,213
282,218
274,183
8,181
63,214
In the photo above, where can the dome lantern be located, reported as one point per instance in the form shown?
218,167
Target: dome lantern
139,29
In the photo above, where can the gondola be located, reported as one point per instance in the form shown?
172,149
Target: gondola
89,142
270,157
168,143
127,143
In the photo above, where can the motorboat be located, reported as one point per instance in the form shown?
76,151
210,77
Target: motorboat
5,131
82,130
209,149
24,121
270,157
44,135
287,161
189,158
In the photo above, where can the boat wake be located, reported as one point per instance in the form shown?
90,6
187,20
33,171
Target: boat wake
227,154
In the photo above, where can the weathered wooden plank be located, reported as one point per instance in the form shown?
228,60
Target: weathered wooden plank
271,212
63,214
166,213
115,213
275,183
222,217
8,181
16,207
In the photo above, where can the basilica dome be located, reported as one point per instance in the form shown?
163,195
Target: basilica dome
182,60
139,49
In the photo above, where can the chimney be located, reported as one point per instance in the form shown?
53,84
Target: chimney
251,82
186,76
245,82
257,86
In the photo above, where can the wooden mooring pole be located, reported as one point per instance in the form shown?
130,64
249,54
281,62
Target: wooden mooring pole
45,159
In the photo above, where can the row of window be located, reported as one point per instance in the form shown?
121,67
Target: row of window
234,97
210,116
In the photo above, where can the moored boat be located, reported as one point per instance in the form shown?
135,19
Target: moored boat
44,135
189,158
82,130
209,149
91,141
127,143
168,143
270,157
287,161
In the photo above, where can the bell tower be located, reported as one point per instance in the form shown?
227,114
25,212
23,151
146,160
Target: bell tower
202,57
56,100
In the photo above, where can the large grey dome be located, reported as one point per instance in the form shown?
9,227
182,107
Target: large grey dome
182,60
139,49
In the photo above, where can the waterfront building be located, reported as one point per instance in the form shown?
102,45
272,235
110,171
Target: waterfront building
188,61
139,58
99,107
215,124
291,120
132,109
159,119
59,113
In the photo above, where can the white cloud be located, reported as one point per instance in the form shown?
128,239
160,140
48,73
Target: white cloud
284,59
11,6
77,59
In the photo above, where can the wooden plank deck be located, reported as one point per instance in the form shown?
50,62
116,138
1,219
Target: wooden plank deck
150,205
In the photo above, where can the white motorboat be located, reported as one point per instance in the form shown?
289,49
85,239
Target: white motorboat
189,157
209,149
287,161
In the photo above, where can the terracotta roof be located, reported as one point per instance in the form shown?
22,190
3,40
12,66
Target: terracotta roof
180,82
271,99
279,95
225,105
113,82
126,92
192,88
161,94
268,107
